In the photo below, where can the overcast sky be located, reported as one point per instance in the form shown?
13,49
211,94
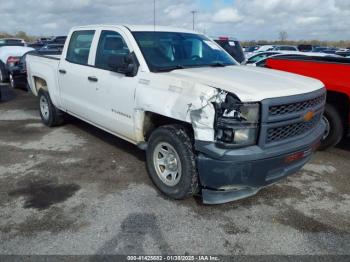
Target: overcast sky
243,19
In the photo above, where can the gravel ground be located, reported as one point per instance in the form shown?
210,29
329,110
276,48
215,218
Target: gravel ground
78,190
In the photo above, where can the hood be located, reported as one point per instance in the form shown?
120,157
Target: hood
250,84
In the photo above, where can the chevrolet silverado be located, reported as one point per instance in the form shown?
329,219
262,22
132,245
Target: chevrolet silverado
208,125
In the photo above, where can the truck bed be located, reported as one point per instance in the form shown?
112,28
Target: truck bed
46,67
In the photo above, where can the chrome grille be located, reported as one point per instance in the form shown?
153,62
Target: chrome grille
296,107
292,130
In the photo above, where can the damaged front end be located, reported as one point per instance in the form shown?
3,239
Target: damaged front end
225,120
224,124
236,123
236,163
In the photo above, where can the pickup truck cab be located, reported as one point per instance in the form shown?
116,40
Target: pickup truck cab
209,126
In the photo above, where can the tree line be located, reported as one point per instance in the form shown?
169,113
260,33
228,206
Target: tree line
282,40
20,34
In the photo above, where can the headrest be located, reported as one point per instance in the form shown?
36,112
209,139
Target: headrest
113,43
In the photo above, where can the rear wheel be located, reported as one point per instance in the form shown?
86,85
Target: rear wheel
50,115
334,127
171,162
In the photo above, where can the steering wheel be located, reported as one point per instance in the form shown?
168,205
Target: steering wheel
195,57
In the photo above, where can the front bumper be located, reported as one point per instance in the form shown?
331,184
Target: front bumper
227,175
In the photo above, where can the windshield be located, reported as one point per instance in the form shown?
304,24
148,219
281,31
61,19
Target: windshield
259,57
251,49
166,51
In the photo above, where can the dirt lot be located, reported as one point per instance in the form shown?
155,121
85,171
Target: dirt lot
78,190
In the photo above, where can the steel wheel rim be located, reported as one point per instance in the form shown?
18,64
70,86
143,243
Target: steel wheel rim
167,164
328,128
44,108
12,83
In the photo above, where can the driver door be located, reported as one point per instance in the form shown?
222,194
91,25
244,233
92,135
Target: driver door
115,92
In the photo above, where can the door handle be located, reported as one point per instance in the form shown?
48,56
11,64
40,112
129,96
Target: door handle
92,78
62,71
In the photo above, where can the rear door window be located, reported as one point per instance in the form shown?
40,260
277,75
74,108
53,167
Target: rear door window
79,47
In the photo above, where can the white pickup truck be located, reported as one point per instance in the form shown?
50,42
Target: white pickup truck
209,126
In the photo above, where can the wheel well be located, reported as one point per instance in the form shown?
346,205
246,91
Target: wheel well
342,103
153,121
40,84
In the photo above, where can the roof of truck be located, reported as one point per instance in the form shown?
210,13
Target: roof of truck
137,28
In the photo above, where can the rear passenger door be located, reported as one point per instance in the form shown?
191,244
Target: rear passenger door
77,89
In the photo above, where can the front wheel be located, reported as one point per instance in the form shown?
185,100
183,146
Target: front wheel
171,162
334,128
50,115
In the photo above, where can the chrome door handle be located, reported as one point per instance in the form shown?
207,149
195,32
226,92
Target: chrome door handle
92,78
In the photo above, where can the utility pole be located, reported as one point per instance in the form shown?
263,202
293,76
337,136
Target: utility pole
193,18
154,14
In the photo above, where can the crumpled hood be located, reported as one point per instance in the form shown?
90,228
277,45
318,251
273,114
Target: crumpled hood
250,83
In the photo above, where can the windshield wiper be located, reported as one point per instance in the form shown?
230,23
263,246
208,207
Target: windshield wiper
218,64
170,68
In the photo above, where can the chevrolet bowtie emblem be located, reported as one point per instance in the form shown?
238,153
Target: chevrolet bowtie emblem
309,115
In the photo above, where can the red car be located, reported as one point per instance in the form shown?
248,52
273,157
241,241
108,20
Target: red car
335,74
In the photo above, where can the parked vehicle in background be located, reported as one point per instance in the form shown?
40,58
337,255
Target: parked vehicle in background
11,42
331,50
233,47
335,74
43,39
319,49
18,71
343,53
285,48
255,58
251,49
9,55
36,46
264,48
58,40
259,59
248,51
305,48
259,49
208,125
52,48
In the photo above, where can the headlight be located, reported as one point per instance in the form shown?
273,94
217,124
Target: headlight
237,123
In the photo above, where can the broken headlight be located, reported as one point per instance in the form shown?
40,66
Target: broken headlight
236,123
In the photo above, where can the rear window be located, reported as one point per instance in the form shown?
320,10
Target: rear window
79,47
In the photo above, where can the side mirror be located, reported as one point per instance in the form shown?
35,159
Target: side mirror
124,64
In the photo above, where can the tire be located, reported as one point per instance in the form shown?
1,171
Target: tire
2,75
50,115
172,138
335,128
